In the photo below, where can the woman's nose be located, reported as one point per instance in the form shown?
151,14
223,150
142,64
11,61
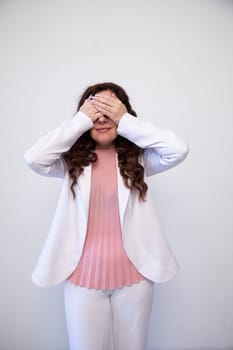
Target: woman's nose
102,119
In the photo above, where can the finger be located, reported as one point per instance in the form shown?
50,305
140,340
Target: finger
93,102
96,112
103,107
105,100
97,116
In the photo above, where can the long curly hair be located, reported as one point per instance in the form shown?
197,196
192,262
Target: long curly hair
82,153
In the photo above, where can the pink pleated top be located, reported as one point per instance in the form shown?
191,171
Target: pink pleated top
104,263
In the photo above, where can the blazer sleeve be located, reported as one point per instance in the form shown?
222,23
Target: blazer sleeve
162,148
45,156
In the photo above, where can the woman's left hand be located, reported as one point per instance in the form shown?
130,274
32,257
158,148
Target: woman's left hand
112,107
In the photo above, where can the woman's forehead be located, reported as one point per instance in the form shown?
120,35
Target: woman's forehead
104,93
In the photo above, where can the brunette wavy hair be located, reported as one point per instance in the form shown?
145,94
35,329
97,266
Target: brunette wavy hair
82,153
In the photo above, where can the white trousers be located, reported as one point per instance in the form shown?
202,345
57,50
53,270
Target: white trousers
108,319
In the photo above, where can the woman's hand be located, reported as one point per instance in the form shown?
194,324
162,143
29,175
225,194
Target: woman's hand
90,110
112,107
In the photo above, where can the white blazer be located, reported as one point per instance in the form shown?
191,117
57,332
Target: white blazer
143,238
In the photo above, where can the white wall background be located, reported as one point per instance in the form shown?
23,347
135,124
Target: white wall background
175,60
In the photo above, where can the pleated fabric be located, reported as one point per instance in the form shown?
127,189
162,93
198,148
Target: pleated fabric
104,263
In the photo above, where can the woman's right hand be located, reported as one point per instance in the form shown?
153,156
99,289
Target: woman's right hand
90,110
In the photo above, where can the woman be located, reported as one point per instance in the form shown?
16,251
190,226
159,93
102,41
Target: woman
105,241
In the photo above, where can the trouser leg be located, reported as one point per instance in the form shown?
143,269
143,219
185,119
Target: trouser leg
88,318
131,308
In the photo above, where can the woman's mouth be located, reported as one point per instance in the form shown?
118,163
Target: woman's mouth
104,129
